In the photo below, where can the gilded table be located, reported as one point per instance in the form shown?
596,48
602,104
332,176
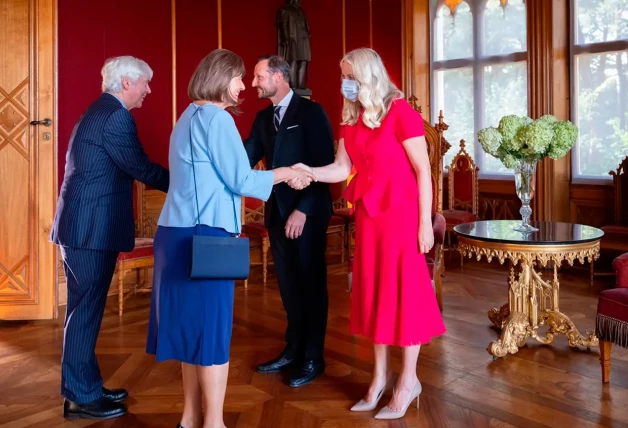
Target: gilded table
533,301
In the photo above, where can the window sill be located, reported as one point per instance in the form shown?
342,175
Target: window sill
501,177
488,176
599,181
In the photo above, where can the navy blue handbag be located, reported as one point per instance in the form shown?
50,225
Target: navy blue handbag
216,257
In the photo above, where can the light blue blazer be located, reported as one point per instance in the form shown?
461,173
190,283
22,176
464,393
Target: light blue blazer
223,172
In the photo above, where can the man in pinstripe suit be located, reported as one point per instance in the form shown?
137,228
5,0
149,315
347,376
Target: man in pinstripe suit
94,222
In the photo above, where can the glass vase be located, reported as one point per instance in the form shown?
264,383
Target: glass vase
525,181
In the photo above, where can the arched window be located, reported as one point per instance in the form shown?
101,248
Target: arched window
479,70
599,87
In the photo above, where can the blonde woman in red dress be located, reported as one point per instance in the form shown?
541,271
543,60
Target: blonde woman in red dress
393,302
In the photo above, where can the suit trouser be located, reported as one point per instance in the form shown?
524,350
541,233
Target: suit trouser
302,275
88,275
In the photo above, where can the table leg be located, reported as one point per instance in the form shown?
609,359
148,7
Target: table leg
551,316
498,316
514,335
513,318
532,303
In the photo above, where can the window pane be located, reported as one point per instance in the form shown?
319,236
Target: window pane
504,28
453,36
505,92
602,112
454,95
601,21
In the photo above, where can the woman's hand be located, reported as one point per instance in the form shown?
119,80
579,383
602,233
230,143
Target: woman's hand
426,238
303,178
300,178
303,167
296,178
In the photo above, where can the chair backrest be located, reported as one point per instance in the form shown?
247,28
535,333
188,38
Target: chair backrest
437,146
620,192
252,209
147,204
463,182
138,208
337,189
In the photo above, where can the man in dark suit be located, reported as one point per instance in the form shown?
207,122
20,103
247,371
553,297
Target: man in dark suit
94,222
292,130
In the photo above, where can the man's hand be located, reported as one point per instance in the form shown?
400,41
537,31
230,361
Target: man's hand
295,224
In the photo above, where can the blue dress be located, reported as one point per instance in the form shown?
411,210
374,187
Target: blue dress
190,320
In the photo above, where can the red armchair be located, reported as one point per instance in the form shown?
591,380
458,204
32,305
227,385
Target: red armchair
611,322
463,193
434,258
339,224
142,256
616,235
253,228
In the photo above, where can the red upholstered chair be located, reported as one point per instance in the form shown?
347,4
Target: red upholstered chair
342,215
340,221
341,210
435,257
463,192
337,226
611,323
141,257
616,235
253,228
437,146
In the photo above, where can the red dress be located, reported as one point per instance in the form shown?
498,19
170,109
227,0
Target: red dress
392,300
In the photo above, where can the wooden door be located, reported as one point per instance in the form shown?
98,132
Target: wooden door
28,184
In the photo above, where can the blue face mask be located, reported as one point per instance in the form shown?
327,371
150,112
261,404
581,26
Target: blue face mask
350,89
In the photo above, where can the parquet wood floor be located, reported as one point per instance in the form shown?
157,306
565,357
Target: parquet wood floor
540,386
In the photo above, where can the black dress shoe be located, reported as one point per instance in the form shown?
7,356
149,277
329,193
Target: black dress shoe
98,409
306,372
116,395
274,366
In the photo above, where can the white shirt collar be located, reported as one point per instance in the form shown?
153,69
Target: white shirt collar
285,102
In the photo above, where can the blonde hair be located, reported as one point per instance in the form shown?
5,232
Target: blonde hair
376,92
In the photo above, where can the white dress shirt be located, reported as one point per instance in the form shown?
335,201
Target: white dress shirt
283,104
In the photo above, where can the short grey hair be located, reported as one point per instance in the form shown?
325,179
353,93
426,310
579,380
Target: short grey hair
123,66
277,64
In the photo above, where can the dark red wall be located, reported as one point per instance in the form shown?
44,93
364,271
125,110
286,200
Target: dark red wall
89,34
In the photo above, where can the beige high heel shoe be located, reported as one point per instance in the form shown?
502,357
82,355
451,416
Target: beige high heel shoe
388,413
366,406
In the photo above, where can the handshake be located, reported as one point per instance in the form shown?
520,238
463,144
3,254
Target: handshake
300,176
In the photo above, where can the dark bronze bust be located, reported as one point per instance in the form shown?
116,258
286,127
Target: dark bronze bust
293,43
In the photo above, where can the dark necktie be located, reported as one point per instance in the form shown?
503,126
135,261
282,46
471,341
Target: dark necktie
276,117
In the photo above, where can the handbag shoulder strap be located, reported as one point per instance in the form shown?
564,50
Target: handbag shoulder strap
198,212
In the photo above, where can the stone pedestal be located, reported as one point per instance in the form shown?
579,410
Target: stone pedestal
305,93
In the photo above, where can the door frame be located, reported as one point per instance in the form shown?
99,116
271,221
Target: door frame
43,98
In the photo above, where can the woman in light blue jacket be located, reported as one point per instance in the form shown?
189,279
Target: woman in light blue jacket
191,320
